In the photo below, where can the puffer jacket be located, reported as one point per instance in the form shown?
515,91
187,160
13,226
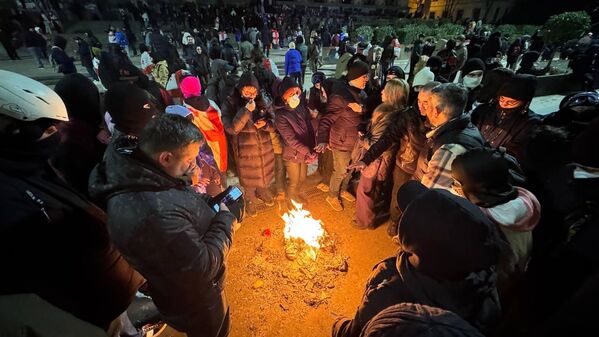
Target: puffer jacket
252,147
339,126
168,233
295,128
293,61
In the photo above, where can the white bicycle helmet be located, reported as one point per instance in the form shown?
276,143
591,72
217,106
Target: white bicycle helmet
25,99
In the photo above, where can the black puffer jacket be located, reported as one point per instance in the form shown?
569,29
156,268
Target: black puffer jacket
54,243
339,126
252,147
168,233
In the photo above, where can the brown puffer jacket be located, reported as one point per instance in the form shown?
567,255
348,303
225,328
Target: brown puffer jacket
252,147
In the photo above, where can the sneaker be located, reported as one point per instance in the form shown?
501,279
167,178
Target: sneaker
323,187
250,209
40,67
347,196
335,204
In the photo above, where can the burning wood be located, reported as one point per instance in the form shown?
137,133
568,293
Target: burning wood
303,234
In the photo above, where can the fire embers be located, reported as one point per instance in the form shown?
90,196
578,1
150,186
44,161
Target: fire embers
306,239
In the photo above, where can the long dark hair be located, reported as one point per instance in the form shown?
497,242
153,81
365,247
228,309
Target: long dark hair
406,121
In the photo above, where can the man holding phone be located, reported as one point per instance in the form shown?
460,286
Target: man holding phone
164,229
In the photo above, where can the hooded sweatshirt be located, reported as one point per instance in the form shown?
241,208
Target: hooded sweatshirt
516,219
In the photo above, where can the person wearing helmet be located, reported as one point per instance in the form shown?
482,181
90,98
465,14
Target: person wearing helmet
53,241
575,112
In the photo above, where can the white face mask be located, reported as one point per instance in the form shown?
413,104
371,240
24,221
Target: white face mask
293,101
472,82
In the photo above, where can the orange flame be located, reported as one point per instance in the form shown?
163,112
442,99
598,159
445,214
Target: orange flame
299,224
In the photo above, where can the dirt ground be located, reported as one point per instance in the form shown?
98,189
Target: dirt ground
272,296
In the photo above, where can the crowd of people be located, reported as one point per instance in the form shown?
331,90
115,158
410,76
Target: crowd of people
494,208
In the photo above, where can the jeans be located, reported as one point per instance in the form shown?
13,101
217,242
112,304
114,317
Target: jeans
297,77
325,165
297,173
340,177
280,174
37,55
303,76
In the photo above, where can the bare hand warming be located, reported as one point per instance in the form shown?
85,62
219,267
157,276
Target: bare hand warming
321,148
260,124
251,106
355,107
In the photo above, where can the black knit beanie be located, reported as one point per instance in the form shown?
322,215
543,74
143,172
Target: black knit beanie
484,176
418,320
356,70
472,65
521,87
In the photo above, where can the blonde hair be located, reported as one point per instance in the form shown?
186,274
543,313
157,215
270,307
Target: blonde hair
291,45
397,91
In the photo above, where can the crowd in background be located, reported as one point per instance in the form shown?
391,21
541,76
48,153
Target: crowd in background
493,207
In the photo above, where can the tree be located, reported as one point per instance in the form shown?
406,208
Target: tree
560,28
449,8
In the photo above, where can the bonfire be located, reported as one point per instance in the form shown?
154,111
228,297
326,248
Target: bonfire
303,234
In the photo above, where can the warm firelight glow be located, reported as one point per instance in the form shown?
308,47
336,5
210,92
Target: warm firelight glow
299,224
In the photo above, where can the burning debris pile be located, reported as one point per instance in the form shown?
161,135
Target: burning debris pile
299,262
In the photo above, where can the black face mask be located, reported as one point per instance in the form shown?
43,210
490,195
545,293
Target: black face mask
29,155
48,146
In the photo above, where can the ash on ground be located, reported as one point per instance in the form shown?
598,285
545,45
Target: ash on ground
287,272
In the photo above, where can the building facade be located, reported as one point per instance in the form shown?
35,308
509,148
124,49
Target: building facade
360,5
491,11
